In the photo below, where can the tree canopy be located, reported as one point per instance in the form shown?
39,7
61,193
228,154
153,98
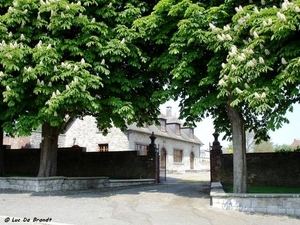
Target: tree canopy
63,59
218,55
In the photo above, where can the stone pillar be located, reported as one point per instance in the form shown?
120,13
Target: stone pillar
153,159
215,159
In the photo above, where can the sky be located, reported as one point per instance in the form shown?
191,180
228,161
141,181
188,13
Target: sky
204,129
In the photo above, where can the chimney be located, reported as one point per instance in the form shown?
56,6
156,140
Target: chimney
169,111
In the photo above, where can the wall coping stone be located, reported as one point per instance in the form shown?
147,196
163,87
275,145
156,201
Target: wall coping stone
56,183
248,202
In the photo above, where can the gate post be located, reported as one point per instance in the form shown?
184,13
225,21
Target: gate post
153,159
215,159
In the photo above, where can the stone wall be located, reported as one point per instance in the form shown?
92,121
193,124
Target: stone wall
269,169
72,162
277,204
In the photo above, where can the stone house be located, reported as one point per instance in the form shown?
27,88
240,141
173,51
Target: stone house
179,148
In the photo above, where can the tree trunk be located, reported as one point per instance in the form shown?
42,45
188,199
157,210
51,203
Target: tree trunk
1,152
240,184
48,158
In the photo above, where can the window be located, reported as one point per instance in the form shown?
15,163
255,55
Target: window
103,147
163,125
141,148
178,155
177,129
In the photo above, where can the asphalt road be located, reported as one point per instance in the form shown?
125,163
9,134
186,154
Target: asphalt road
183,199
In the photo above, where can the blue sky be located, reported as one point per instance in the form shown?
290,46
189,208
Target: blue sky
284,135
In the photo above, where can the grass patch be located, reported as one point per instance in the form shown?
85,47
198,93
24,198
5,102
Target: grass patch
266,190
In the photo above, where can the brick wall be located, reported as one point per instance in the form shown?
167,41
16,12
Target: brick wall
73,162
271,169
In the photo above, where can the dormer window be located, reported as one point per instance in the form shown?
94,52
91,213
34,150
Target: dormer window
177,129
163,125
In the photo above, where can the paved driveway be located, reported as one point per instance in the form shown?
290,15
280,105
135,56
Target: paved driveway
183,199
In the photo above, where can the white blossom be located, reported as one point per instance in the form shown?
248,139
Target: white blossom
283,61
39,45
80,15
55,69
256,10
42,82
82,61
67,87
267,52
226,28
76,68
261,60
22,37
42,2
240,58
41,63
220,37
9,56
263,95
50,84
223,65
270,21
297,9
110,5
239,91
10,34
256,95
79,3
247,86
103,61
38,16
25,11
249,40
55,114
263,2
251,63
49,47
8,88
68,66
38,81
233,67
245,42
255,34
281,16
239,9
123,41
261,46
228,37
15,3
57,92
93,20
67,7
222,82
53,13
1,74
284,6
212,27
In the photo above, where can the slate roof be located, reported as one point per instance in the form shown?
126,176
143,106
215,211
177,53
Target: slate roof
170,133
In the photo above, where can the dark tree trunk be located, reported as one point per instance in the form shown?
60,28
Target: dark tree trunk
240,184
48,158
1,151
